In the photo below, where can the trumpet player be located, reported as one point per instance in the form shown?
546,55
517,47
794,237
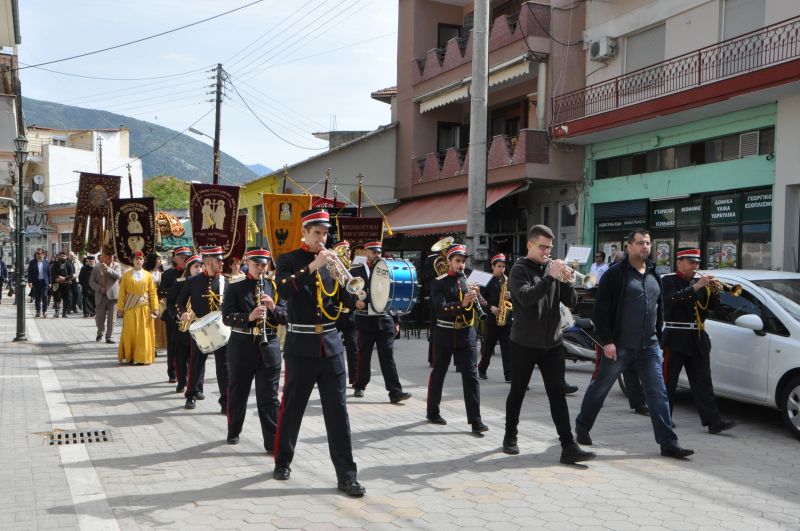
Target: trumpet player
498,302
455,337
686,343
375,329
313,351
537,286
253,310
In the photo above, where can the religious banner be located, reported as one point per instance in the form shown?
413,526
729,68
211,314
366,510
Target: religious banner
359,231
239,247
325,202
96,226
94,193
282,223
132,227
213,209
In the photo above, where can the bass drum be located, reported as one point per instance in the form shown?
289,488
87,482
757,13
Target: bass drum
393,286
210,333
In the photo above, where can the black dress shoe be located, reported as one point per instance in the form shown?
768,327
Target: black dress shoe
180,389
223,409
436,419
233,440
479,427
200,396
351,487
99,337
482,375
281,473
569,388
173,380
582,436
38,315
510,445
674,450
109,341
190,403
721,425
359,393
270,451
399,398
642,410
573,453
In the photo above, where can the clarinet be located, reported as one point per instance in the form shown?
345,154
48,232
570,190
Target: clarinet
264,340
462,278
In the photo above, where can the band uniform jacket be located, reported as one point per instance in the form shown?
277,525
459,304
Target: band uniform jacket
169,279
491,294
375,322
298,287
238,302
197,289
679,306
447,307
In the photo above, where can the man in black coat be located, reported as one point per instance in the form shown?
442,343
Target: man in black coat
686,343
313,351
254,351
375,328
39,281
87,293
63,275
168,279
494,332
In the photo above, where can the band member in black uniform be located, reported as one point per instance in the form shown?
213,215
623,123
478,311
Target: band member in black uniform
496,333
454,337
379,329
168,279
205,291
345,323
313,350
181,339
686,344
253,349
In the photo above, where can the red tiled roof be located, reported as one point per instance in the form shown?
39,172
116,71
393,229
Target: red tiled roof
384,95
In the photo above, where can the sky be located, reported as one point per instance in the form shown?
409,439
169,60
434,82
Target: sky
300,65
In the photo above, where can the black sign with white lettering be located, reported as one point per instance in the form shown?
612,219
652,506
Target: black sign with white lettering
621,224
723,209
689,212
757,206
662,214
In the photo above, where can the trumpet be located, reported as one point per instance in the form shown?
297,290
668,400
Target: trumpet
353,285
576,278
718,286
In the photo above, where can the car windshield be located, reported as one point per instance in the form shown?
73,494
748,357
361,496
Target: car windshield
786,292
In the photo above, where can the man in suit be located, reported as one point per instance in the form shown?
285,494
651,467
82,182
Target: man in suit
39,281
105,283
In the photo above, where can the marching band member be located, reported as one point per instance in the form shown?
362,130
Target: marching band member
454,337
686,343
536,292
313,351
372,329
346,324
205,293
168,279
496,333
253,310
181,339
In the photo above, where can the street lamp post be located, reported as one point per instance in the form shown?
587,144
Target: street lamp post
216,151
20,155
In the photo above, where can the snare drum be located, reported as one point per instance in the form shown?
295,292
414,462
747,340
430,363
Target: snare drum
210,333
393,286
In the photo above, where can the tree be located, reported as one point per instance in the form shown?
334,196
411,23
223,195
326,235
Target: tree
170,193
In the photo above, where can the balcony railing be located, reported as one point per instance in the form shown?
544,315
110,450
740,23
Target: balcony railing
753,51
533,20
531,146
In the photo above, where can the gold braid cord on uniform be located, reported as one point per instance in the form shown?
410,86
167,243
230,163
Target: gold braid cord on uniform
698,307
321,291
264,321
466,309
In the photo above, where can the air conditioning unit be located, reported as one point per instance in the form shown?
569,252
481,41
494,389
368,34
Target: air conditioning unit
603,48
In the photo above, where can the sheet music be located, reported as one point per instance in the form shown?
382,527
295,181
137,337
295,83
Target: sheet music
480,278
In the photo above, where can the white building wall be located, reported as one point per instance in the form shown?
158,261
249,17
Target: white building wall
786,196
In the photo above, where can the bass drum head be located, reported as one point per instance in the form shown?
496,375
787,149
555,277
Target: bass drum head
380,286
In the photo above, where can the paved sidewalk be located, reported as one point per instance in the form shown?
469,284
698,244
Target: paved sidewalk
170,468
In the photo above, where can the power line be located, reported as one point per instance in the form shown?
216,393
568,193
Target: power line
132,91
291,128
142,39
113,78
282,108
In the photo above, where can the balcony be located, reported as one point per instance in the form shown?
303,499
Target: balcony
759,60
533,20
531,146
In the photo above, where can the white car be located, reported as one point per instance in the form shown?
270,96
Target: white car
755,341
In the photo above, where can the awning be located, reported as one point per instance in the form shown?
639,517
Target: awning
442,99
441,213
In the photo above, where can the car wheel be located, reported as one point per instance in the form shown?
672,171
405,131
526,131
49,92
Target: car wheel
790,405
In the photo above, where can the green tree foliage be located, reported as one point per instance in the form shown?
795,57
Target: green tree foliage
169,192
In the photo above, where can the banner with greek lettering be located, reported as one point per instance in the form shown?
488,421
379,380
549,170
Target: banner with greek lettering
359,231
133,226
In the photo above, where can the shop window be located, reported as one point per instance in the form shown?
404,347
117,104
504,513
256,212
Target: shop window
689,238
766,141
722,247
756,246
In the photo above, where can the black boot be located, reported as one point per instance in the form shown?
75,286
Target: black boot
573,453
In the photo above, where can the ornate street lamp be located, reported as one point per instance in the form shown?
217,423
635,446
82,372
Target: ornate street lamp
20,155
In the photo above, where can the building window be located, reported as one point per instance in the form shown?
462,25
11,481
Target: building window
742,16
448,135
645,48
447,32
66,241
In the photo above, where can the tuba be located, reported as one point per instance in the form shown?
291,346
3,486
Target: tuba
505,306
440,264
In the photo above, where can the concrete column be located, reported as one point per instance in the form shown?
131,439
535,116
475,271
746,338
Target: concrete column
786,193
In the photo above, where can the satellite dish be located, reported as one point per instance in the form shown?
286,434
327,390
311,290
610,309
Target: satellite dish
38,179
38,196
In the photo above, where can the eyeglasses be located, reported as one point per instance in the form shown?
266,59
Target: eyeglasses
545,247
641,243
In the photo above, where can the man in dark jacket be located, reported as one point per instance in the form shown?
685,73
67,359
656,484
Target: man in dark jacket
39,281
629,317
63,275
536,291
86,290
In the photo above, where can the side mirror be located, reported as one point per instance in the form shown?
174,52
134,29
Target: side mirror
751,322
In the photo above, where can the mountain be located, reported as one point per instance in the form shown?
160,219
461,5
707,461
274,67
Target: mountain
166,151
259,169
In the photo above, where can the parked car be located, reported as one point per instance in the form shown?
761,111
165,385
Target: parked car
755,341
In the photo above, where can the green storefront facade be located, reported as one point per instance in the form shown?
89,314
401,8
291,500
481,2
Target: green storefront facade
708,183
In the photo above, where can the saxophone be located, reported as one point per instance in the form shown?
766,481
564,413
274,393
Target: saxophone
505,306
183,326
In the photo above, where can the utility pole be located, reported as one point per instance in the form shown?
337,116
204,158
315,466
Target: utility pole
100,151
477,240
217,124
130,179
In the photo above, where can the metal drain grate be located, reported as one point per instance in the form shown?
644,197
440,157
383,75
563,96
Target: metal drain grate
57,438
